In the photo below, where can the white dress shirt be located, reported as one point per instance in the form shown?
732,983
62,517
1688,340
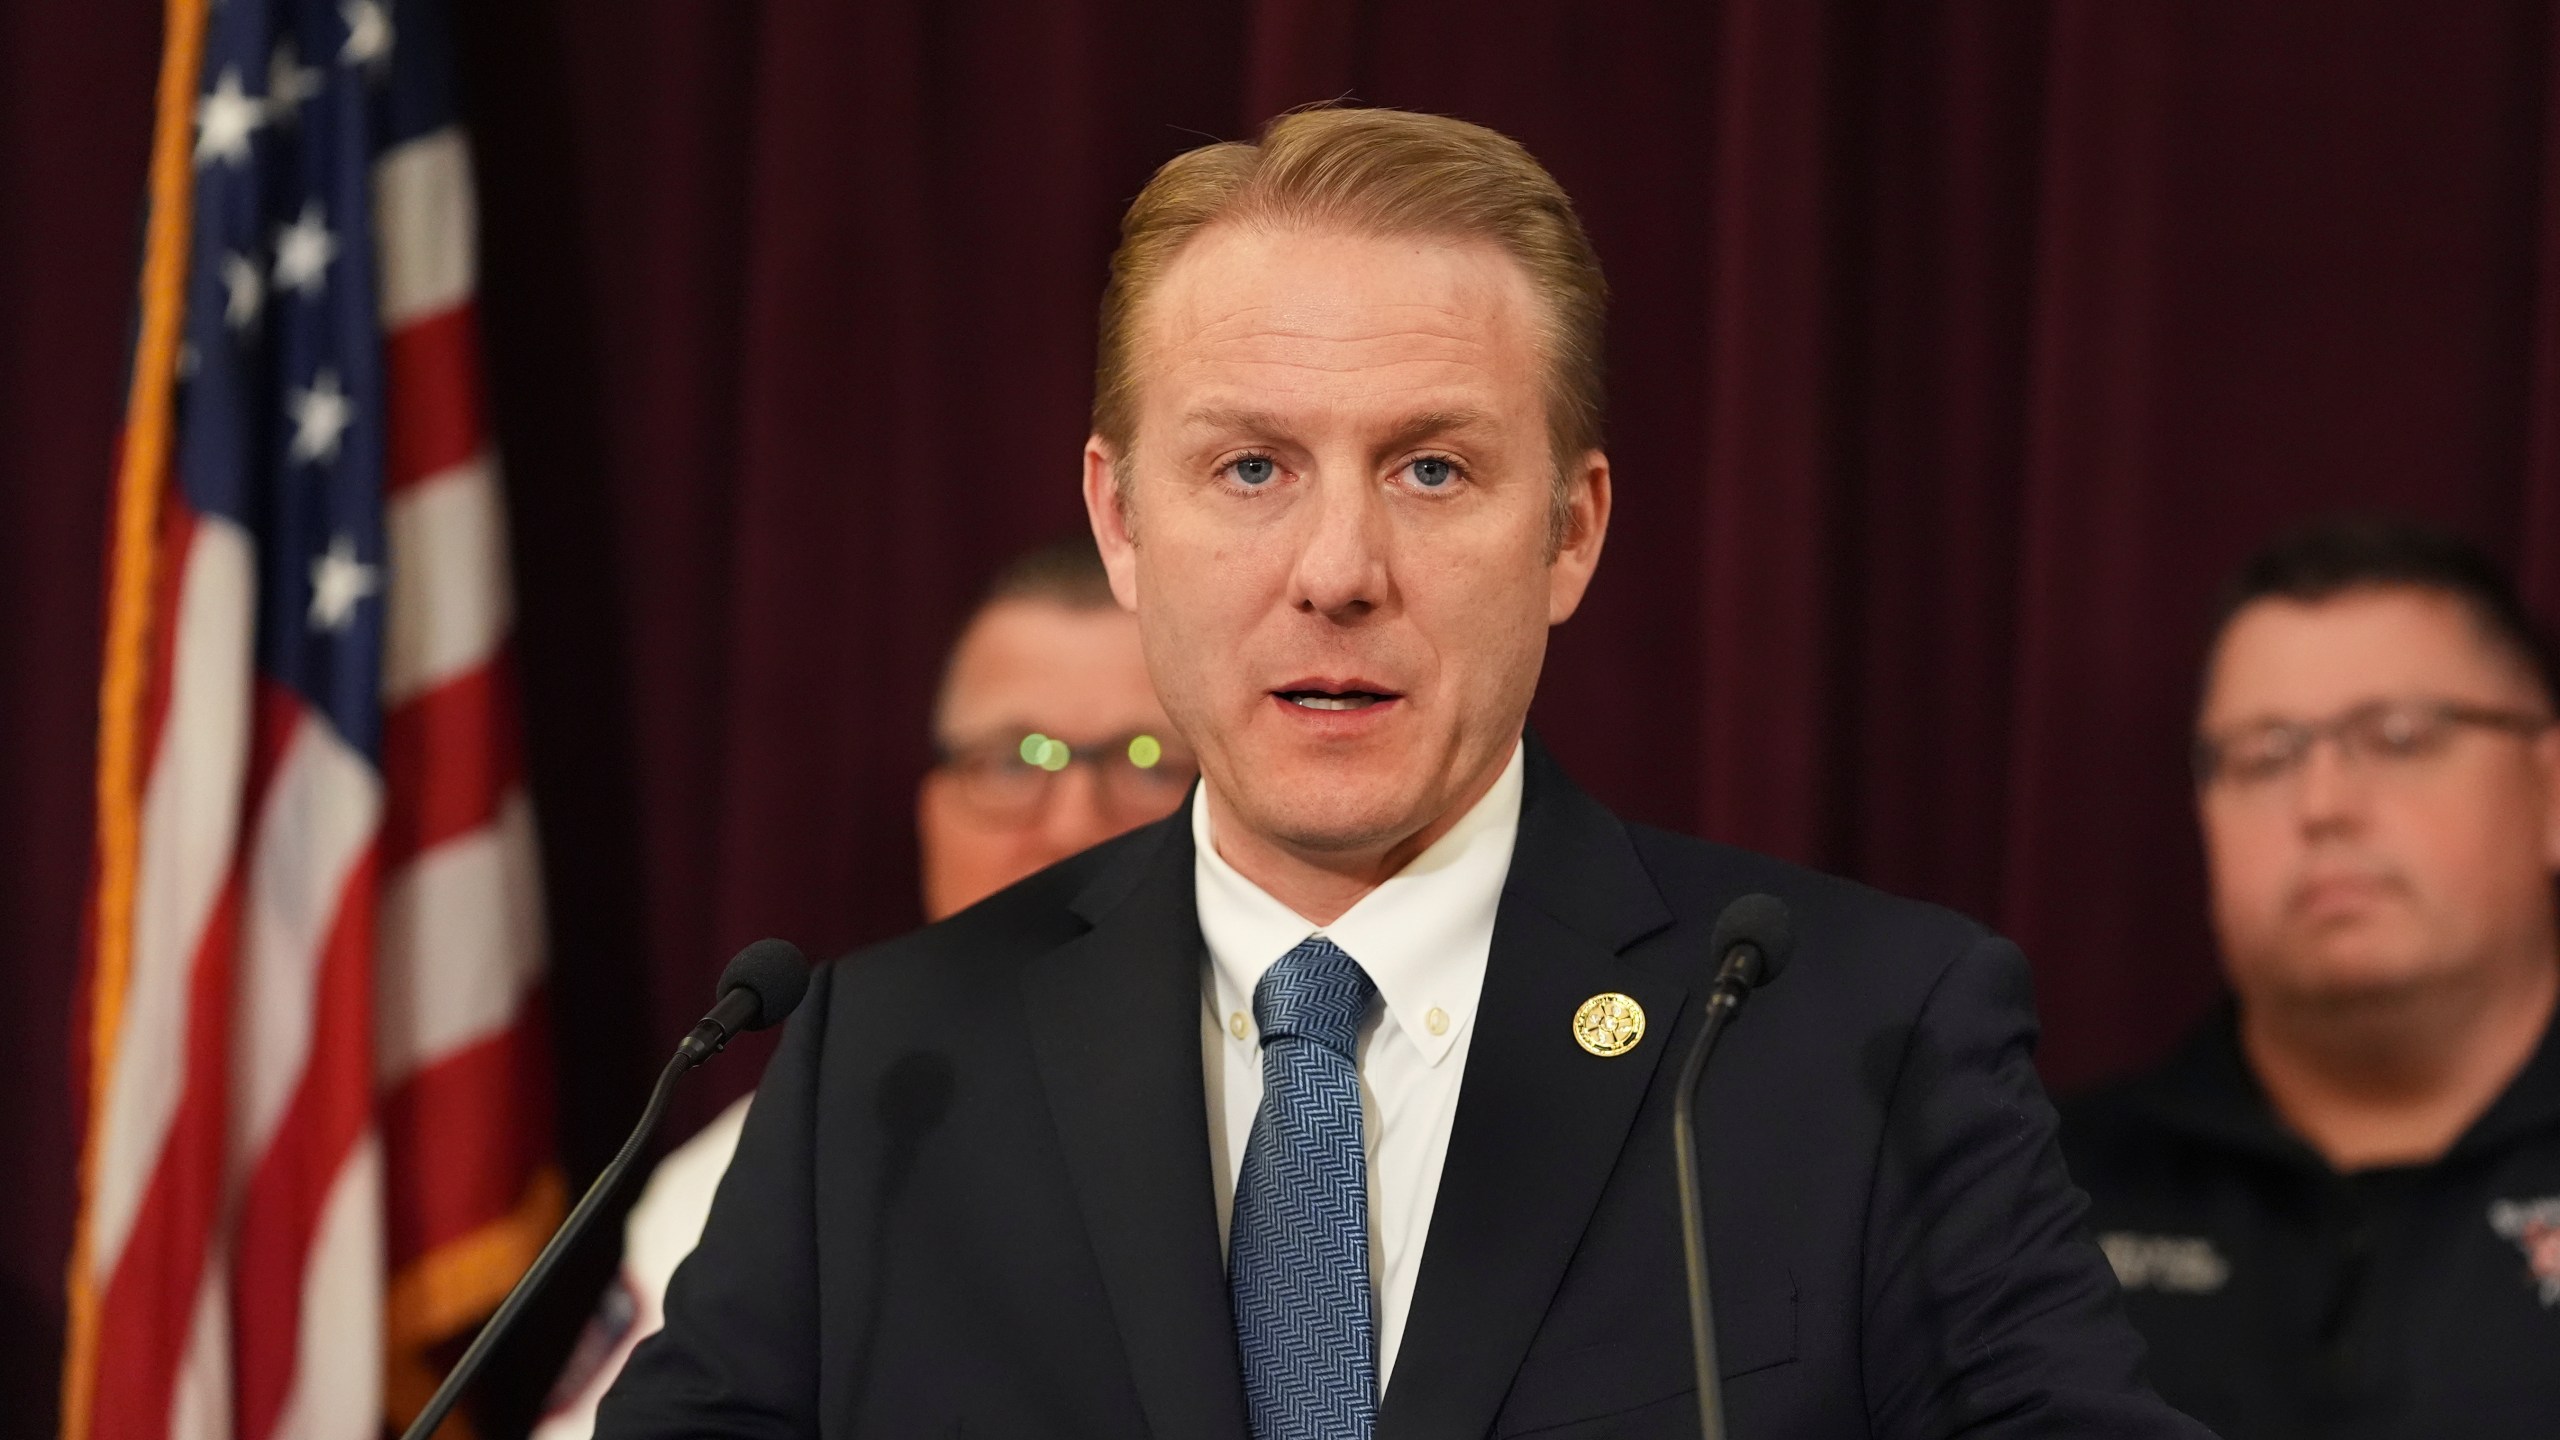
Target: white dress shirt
1423,937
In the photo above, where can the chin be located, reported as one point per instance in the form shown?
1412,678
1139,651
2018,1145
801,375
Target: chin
2355,970
1329,812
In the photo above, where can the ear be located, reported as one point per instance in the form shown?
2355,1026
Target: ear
1106,509
1586,530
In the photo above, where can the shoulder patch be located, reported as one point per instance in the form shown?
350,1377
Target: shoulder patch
2534,1226
2170,1264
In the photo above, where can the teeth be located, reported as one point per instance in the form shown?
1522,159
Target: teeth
1334,702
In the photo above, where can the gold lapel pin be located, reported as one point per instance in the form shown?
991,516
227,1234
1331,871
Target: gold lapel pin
1609,1024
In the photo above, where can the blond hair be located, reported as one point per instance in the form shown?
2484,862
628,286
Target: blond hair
1379,172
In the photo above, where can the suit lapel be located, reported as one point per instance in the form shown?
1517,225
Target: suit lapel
1115,1018
1540,1121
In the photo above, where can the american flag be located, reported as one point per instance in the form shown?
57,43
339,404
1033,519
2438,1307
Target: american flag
317,1111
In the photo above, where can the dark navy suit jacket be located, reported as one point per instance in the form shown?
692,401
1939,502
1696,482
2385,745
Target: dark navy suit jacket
973,1196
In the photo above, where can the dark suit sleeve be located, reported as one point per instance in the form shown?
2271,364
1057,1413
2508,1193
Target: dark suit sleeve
739,1354
1990,1311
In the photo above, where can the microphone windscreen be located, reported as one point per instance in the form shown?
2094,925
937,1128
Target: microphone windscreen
775,972
1759,921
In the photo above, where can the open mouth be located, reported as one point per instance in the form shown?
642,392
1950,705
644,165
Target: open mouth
1344,699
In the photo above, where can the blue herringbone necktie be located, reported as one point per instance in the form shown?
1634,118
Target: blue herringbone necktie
1298,1250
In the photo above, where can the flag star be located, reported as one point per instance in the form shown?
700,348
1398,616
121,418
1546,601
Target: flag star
289,83
339,582
321,416
304,250
368,32
225,119
244,291
190,360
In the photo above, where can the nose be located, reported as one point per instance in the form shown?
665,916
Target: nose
2329,794
1341,564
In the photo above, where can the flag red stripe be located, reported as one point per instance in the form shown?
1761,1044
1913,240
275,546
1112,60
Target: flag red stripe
450,755
290,1185
463,1136
149,1298
433,420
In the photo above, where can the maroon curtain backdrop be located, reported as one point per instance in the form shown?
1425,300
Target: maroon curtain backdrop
1958,351
75,119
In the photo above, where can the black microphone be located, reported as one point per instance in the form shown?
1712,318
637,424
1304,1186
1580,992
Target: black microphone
1751,945
763,983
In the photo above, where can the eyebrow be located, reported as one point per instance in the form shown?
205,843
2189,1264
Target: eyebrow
1251,422
1431,423
1263,423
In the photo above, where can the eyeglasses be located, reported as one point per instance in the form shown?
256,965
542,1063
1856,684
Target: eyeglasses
1138,776
2383,737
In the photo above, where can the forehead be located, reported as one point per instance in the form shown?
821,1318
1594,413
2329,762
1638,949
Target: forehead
1039,663
1249,317
2304,658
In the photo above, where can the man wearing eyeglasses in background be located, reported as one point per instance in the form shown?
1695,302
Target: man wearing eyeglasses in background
2336,1210
1048,739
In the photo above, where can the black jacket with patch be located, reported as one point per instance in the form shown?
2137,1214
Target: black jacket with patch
2284,1301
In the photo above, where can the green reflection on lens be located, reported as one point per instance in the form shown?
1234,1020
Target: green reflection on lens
1054,755
1145,751
1034,745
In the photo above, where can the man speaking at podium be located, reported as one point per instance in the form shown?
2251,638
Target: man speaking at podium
1339,1104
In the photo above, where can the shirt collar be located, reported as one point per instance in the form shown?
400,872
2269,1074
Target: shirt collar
2530,1103
2207,1091
1423,936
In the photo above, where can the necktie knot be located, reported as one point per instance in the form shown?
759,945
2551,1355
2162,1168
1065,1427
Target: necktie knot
1315,993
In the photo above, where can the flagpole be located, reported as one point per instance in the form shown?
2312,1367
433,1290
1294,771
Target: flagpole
142,472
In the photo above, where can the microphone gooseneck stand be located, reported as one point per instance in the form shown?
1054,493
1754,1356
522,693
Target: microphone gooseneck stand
761,985
1752,941
539,1272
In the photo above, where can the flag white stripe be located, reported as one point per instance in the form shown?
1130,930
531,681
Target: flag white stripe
425,226
190,817
460,941
200,1405
448,607
337,1370
319,818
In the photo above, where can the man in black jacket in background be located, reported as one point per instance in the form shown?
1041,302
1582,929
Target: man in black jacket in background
1339,1104
2336,1211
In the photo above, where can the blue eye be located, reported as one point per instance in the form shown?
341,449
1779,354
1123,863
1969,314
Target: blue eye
1254,471
1433,472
